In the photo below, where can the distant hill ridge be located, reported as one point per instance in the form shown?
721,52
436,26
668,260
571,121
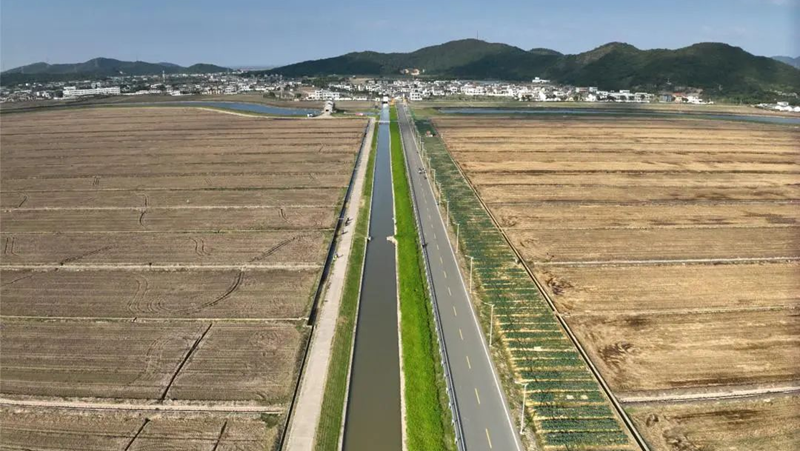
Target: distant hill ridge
104,67
712,66
794,62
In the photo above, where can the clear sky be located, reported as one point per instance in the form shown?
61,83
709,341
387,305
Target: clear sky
270,32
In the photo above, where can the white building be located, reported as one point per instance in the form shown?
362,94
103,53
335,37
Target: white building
72,91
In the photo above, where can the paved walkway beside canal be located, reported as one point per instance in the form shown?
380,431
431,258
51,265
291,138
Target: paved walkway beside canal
303,428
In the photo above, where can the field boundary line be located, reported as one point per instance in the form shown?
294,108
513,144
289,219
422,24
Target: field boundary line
99,405
603,384
711,396
123,267
140,319
165,207
670,261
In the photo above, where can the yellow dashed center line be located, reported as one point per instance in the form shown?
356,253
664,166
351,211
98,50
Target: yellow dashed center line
468,363
478,396
489,438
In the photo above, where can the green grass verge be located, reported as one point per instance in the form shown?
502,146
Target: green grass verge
330,422
428,425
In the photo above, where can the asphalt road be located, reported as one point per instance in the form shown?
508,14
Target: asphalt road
486,421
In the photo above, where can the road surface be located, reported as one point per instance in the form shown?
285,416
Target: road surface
486,421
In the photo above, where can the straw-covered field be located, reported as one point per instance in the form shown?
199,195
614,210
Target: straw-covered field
669,246
158,266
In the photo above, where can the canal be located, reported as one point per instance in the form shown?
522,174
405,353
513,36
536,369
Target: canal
373,419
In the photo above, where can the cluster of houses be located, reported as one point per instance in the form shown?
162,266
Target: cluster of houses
537,90
172,85
780,106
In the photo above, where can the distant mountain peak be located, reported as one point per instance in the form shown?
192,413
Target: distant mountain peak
107,67
794,62
544,51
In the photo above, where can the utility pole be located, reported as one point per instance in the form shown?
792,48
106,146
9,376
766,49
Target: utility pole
522,407
458,228
491,324
471,261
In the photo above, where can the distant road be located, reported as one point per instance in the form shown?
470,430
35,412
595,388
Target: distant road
485,417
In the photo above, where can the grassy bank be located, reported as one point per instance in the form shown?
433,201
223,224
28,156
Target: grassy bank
330,422
428,424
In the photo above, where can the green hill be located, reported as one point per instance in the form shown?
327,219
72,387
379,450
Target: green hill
99,67
718,68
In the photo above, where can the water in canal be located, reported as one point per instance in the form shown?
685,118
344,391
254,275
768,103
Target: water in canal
373,419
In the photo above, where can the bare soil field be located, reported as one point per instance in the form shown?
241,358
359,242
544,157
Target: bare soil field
253,248
45,429
160,256
249,178
168,220
184,361
766,424
171,198
670,247
251,294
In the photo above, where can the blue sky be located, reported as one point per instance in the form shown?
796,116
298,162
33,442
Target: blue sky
270,32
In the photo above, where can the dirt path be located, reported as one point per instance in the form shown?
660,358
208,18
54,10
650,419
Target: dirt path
84,405
305,419
670,261
115,267
732,393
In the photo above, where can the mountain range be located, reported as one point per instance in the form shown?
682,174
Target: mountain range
100,67
714,67
794,62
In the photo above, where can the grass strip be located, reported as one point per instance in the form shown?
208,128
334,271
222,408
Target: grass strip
330,422
428,424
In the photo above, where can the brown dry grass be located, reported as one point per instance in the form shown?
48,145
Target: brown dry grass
639,352
649,287
768,424
609,245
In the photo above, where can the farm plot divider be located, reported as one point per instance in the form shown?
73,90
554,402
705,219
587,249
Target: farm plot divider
564,400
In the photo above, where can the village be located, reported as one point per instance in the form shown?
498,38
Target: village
343,89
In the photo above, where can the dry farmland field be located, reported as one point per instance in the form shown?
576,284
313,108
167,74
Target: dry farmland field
157,270
671,248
